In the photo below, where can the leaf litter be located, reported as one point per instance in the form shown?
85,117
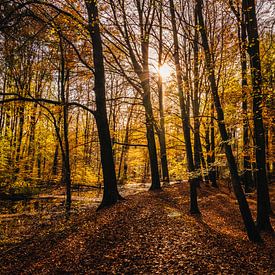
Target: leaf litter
149,233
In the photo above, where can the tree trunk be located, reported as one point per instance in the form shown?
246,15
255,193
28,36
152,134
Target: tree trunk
263,200
212,172
155,184
146,100
64,77
55,160
196,112
110,193
247,173
21,114
251,229
125,148
161,132
193,180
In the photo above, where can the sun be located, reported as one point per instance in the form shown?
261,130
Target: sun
165,71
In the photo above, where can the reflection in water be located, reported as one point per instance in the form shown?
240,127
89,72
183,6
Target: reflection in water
18,218
81,198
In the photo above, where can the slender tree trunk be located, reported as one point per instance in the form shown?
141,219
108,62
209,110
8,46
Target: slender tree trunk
31,147
207,147
196,112
146,100
21,114
86,139
203,162
66,154
263,200
55,160
213,171
155,185
122,168
193,181
125,149
251,229
247,173
39,156
161,132
110,194
2,112
125,164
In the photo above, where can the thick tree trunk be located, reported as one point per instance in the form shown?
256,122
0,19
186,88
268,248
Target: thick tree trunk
263,200
251,229
184,117
110,194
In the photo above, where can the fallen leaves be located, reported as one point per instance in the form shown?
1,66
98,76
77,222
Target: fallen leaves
150,233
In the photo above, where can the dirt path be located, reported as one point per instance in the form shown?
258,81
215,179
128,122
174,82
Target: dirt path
149,233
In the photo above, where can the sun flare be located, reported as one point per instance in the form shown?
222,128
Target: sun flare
165,71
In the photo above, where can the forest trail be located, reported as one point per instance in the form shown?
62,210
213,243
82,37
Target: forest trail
149,233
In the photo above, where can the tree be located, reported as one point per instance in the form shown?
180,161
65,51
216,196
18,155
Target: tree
263,201
236,183
185,116
139,58
247,175
110,195
161,130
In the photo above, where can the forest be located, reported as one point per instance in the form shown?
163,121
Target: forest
126,122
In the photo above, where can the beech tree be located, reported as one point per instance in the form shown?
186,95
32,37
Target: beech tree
139,58
161,130
263,201
82,97
185,116
110,195
240,16
236,183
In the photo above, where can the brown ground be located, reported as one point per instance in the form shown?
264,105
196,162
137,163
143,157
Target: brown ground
149,233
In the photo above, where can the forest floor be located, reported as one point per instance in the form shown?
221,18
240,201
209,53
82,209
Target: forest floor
148,233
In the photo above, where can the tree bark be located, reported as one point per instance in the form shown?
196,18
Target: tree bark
196,111
247,172
155,184
213,171
64,77
251,229
161,132
263,200
110,193
193,180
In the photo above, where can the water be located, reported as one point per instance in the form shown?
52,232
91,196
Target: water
19,218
